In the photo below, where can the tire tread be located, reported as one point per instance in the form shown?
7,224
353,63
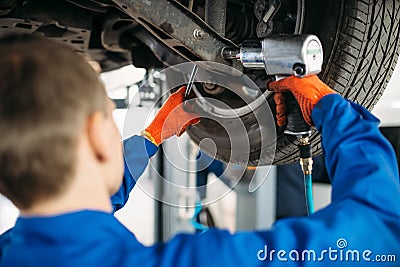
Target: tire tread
364,59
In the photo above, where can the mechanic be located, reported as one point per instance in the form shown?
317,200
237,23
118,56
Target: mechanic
61,160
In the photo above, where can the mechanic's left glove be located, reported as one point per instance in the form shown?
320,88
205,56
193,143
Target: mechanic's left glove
171,119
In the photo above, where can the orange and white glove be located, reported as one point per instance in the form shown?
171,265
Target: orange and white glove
307,91
171,119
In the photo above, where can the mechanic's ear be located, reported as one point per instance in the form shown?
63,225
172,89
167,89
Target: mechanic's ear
97,135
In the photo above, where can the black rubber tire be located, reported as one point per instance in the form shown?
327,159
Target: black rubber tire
361,45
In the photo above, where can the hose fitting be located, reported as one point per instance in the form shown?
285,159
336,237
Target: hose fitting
306,161
306,165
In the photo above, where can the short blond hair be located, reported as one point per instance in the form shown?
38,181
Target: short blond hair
46,93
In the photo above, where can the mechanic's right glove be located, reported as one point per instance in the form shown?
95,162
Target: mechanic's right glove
307,91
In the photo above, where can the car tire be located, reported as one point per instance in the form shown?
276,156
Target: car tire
361,45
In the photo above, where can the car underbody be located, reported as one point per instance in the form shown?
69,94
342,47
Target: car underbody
159,33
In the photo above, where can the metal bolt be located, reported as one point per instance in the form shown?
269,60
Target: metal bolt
211,88
198,34
209,85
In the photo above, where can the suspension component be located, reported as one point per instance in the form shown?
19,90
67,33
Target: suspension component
265,11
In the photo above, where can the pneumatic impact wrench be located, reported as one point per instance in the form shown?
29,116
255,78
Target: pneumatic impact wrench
283,56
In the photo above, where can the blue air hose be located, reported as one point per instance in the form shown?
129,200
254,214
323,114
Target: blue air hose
195,224
309,194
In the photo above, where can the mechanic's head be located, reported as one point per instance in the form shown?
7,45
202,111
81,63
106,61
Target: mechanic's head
55,122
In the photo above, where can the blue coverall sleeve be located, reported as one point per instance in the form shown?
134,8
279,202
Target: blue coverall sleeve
137,151
360,161
361,227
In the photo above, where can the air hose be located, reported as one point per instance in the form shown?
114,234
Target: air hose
196,225
296,126
306,163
